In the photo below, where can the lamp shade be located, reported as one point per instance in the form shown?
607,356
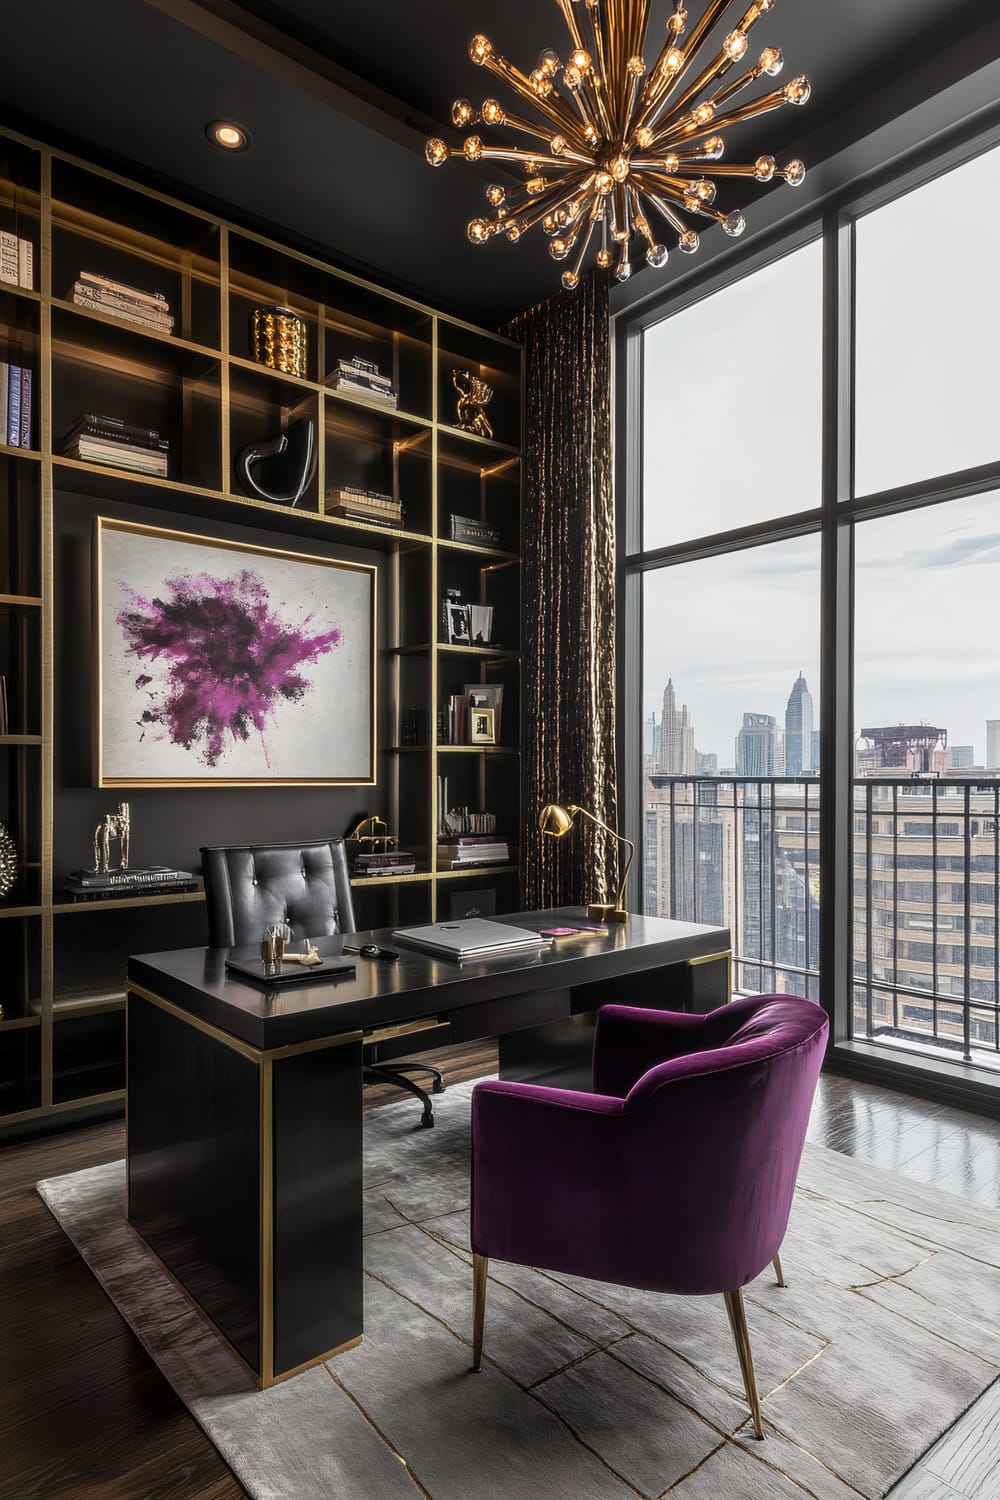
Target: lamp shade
555,820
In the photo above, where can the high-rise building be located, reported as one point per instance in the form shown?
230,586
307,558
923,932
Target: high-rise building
799,729
993,744
707,764
651,739
963,757
677,756
760,747
814,751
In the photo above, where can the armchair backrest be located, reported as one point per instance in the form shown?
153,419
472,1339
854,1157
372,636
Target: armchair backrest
250,886
733,1118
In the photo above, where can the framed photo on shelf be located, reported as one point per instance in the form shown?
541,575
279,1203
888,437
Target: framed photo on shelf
456,624
487,695
481,726
225,664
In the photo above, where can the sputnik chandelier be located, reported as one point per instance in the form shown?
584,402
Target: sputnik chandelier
621,146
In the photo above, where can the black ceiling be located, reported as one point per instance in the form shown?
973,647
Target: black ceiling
340,96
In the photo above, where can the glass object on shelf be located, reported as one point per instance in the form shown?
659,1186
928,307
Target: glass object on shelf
473,395
8,861
279,340
289,464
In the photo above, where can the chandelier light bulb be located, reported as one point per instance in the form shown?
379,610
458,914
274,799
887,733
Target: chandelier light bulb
620,131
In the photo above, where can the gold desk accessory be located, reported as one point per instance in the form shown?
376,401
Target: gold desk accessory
555,821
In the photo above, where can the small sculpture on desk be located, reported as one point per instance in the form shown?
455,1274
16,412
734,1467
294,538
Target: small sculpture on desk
473,395
113,826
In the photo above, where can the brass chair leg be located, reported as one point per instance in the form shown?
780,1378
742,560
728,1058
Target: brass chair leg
480,1264
741,1337
776,1263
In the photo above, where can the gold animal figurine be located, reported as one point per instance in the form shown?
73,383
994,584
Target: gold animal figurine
473,394
113,826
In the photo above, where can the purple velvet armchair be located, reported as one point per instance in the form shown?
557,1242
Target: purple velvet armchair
675,1175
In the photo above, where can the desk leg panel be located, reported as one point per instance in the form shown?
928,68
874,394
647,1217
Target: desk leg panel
194,1165
317,1203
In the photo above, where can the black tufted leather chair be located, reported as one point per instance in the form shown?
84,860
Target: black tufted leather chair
307,886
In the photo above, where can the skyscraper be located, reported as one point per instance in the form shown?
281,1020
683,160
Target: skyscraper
759,747
993,744
676,736
798,729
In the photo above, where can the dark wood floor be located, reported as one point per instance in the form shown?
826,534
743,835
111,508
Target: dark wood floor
84,1412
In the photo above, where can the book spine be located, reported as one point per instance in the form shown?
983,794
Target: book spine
115,880
14,406
26,385
113,425
362,371
26,265
8,257
131,300
155,300
4,388
118,439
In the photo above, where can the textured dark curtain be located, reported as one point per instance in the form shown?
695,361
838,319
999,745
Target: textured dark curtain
569,593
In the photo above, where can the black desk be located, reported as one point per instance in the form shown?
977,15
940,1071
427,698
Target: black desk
244,1107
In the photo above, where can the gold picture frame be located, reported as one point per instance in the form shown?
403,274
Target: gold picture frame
482,726
223,663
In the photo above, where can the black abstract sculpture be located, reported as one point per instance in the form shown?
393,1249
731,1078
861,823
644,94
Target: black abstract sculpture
289,462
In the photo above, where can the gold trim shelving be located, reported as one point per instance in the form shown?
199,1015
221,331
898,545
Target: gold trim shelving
200,386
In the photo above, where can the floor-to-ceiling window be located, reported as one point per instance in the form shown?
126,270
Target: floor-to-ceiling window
818,455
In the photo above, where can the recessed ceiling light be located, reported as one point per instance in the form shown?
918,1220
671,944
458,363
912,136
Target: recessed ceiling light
228,135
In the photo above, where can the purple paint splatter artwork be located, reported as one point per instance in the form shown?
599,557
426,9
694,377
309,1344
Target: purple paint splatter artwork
230,660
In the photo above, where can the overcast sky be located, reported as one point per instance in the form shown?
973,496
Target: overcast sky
732,425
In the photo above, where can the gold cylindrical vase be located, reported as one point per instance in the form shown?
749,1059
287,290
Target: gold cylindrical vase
279,340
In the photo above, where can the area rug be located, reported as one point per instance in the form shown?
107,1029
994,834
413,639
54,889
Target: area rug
888,1329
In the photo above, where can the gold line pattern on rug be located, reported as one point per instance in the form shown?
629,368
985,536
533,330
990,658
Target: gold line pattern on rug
379,1433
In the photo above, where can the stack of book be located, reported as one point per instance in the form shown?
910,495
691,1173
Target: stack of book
356,504
472,849
385,862
109,440
15,405
17,261
157,880
361,377
478,533
131,303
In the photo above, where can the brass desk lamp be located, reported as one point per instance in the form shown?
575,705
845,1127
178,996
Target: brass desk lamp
557,821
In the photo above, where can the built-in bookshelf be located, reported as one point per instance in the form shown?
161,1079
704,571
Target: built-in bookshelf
197,384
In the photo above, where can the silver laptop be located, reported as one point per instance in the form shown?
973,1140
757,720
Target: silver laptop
471,937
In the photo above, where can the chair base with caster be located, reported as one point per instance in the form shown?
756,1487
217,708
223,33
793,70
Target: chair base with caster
395,1074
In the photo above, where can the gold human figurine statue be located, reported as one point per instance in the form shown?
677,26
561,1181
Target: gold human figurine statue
473,394
112,826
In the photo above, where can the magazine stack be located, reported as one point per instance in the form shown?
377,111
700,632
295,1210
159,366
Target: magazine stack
362,377
109,440
100,294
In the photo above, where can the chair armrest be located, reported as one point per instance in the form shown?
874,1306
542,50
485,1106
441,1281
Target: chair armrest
537,1155
629,1040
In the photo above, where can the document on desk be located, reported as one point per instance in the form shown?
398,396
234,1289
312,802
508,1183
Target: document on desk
472,937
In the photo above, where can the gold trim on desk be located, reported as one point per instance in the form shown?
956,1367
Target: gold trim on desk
712,958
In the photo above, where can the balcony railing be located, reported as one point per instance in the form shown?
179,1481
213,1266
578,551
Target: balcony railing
744,852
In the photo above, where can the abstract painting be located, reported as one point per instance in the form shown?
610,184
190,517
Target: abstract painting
221,663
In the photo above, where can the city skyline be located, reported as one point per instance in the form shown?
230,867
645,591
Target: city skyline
800,724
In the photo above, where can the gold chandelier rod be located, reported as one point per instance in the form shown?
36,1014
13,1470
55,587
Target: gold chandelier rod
618,146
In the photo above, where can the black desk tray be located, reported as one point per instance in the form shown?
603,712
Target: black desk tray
268,978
